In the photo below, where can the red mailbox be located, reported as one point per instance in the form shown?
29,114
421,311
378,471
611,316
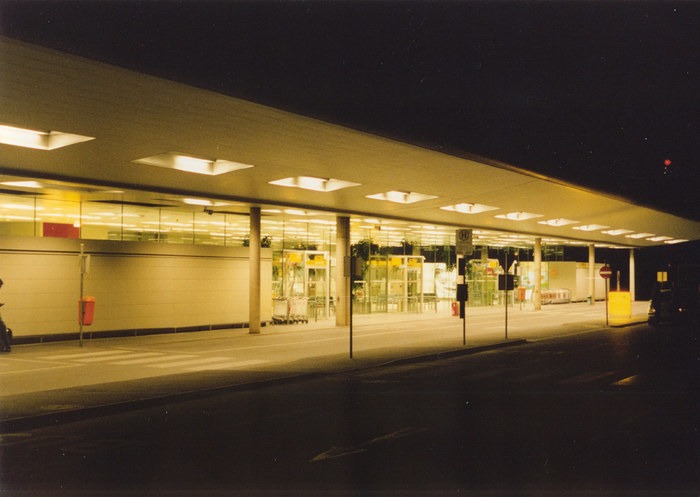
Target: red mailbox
86,310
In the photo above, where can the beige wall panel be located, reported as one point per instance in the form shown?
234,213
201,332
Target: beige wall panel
173,286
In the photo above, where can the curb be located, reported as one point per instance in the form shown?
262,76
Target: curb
12,425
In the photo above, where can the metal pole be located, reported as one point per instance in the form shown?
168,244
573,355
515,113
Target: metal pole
505,277
607,286
352,274
464,323
82,303
350,317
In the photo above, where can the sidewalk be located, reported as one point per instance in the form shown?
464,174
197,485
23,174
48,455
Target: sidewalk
58,382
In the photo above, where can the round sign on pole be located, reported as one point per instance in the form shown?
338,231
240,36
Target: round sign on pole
605,272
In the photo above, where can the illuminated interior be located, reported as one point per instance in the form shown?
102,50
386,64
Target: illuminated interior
409,266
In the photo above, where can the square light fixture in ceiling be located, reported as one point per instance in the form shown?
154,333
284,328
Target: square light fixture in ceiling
518,216
207,203
313,183
39,140
558,222
401,197
660,238
181,162
673,242
590,227
640,235
467,208
617,232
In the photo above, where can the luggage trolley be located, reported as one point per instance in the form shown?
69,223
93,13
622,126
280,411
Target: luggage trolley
280,310
298,310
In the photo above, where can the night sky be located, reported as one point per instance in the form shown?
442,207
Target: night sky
596,93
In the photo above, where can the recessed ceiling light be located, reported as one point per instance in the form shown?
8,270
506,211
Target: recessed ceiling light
23,184
660,238
466,208
207,203
616,232
518,216
314,184
678,240
40,140
180,162
558,222
590,227
640,235
401,197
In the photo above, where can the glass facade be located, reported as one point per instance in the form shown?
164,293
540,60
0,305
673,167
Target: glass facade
407,266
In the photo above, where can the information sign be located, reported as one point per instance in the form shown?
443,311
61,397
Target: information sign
463,243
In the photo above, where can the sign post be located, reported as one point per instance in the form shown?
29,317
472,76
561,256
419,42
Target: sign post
605,273
84,268
463,246
352,267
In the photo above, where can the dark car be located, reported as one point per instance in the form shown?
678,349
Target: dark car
675,303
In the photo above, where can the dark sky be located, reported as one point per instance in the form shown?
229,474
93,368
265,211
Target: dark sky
596,93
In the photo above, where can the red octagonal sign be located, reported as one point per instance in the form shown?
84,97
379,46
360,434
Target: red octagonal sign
605,272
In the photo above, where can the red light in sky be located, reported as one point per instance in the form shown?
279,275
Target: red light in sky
667,162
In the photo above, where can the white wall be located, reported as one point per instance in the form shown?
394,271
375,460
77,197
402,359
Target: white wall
136,285
574,276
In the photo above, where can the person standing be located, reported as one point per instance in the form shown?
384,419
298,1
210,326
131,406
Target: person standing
4,335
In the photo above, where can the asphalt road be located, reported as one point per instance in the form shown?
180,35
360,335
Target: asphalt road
605,412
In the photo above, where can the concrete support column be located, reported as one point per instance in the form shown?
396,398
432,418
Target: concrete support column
254,265
591,273
537,291
342,282
632,279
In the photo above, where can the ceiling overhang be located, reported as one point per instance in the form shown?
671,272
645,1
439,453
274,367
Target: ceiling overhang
133,116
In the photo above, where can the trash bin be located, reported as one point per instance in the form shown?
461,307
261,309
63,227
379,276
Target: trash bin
86,310
521,293
455,308
588,299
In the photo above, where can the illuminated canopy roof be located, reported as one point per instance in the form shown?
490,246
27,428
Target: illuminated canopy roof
204,145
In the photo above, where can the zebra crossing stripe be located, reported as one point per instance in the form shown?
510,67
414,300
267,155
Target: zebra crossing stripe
115,355
149,360
227,365
192,362
85,354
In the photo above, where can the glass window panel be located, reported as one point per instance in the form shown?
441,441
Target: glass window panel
17,215
140,224
101,221
176,226
58,218
209,229
237,230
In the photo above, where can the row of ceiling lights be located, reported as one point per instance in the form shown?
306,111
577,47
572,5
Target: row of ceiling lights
53,139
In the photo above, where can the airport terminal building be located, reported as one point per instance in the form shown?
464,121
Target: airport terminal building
203,211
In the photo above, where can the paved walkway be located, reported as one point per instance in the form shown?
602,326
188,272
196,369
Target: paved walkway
61,381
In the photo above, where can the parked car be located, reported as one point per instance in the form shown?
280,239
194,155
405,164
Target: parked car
675,303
